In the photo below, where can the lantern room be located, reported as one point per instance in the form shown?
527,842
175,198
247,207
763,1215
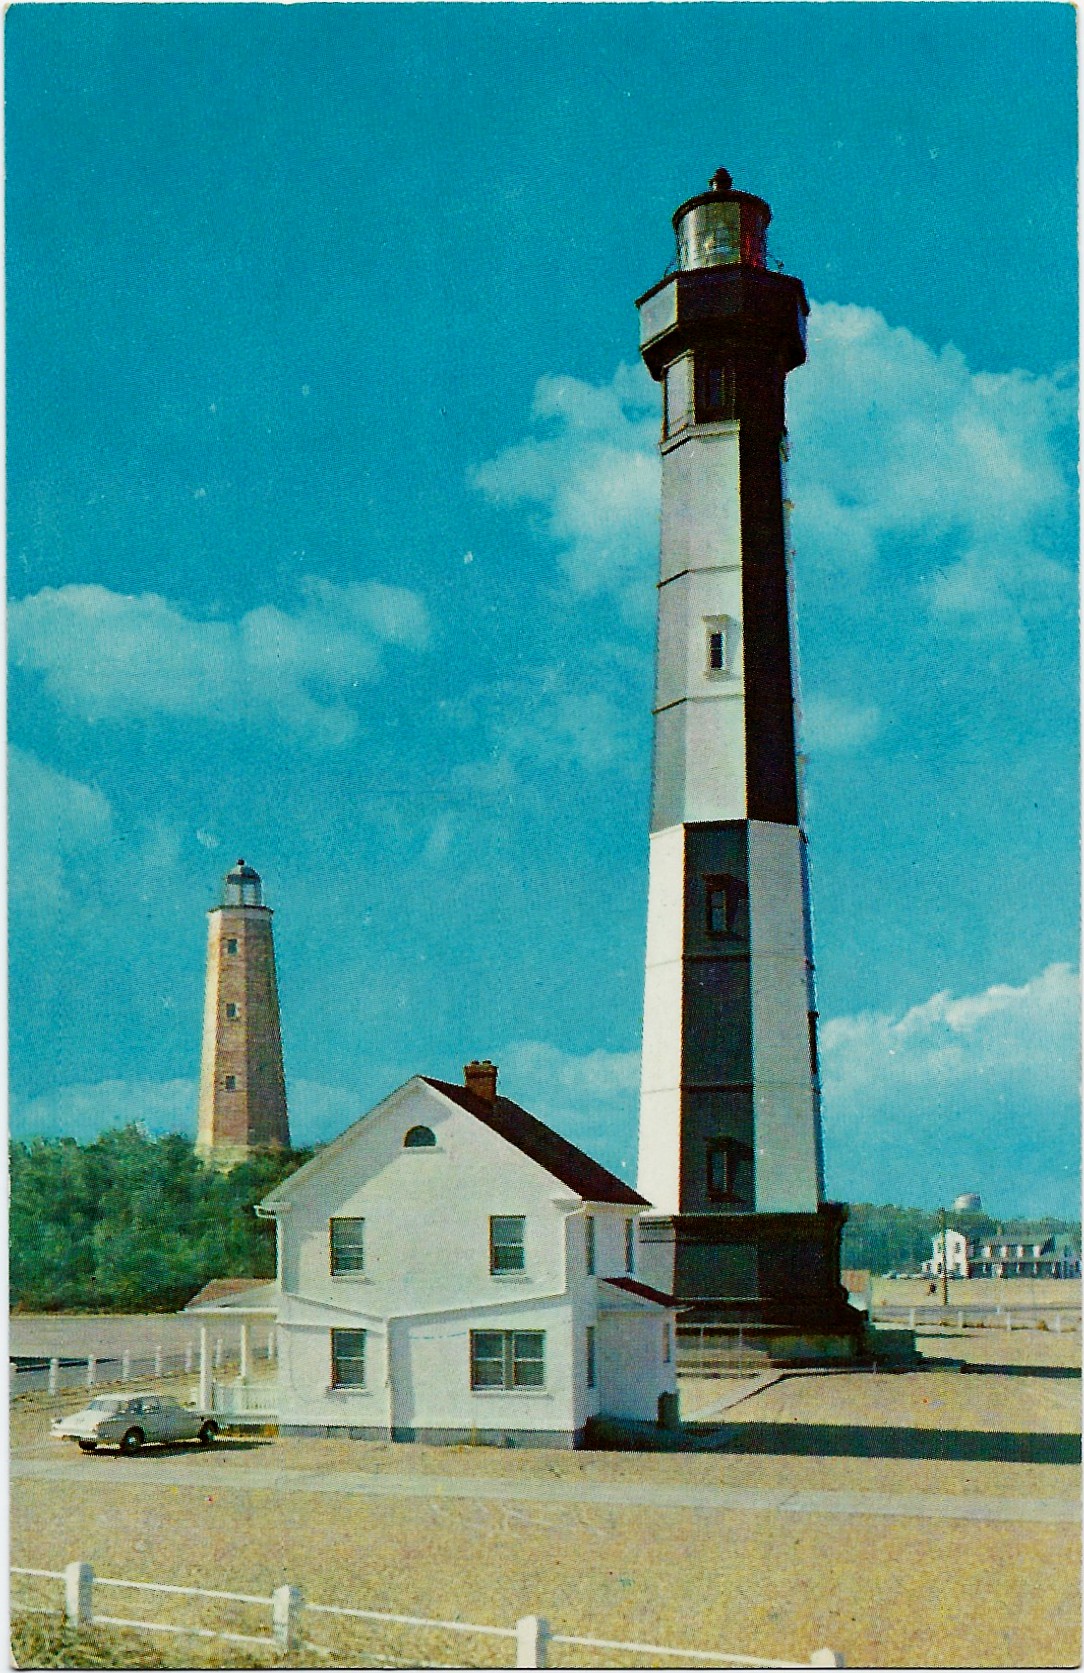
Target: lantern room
722,228
242,887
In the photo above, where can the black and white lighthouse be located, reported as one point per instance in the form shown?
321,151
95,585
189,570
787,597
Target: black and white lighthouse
730,1140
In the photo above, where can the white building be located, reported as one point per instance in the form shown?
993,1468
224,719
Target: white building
450,1269
1005,1255
958,1253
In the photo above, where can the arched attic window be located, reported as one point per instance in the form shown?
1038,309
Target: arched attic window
419,1138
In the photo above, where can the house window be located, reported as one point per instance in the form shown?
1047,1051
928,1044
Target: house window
630,1245
506,1243
666,1347
230,1083
420,1138
722,1170
589,1242
591,1378
348,1359
508,1359
726,907
231,1010
347,1241
231,946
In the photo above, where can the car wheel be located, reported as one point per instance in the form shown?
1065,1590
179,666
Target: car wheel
208,1433
87,1446
132,1440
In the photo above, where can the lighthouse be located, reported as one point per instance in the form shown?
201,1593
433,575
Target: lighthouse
242,1097
730,1137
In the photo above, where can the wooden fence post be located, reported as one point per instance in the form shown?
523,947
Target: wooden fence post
532,1634
54,1375
1057,1323
188,1359
218,1353
287,1603
79,1594
92,1366
126,1366
158,1360
826,1658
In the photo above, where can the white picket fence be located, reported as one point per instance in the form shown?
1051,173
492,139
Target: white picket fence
290,1613
58,1373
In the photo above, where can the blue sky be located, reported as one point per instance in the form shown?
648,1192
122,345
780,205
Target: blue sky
332,533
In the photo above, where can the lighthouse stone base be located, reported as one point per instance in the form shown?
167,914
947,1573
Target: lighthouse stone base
754,1287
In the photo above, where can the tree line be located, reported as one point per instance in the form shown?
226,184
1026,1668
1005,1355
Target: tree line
884,1238
130,1223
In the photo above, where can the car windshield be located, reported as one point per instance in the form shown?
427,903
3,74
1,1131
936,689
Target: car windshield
109,1403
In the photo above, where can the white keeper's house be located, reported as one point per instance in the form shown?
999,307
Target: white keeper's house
451,1269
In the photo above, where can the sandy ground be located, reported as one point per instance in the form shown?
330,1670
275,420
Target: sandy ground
882,1590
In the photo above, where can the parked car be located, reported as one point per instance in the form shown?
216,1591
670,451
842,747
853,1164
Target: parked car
129,1421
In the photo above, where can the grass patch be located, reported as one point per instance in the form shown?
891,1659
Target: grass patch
49,1641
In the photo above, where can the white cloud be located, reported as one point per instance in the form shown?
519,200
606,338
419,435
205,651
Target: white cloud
592,1099
896,442
982,1087
108,656
317,1112
835,725
82,1112
900,453
594,471
53,819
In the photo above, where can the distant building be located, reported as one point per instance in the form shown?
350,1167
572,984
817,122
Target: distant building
1005,1254
242,1095
958,1266
452,1270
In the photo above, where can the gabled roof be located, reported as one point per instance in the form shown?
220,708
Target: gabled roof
633,1286
565,1161
241,1295
572,1166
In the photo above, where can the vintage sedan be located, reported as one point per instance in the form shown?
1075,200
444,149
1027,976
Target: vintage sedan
130,1421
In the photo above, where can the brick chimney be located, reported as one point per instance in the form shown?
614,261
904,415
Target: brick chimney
481,1079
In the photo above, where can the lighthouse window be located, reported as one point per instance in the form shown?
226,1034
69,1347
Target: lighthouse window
722,1170
231,946
727,903
231,1010
716,645
714,390
230,1083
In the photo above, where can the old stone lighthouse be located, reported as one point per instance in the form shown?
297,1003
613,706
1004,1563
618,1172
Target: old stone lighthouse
730,1142
242,1098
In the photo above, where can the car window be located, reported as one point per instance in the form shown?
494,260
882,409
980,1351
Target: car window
150,1405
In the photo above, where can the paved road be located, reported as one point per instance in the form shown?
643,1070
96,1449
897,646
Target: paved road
200,1471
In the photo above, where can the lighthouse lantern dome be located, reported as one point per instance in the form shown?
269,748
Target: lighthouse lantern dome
242,887
722,227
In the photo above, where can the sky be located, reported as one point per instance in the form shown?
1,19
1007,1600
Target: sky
333,523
